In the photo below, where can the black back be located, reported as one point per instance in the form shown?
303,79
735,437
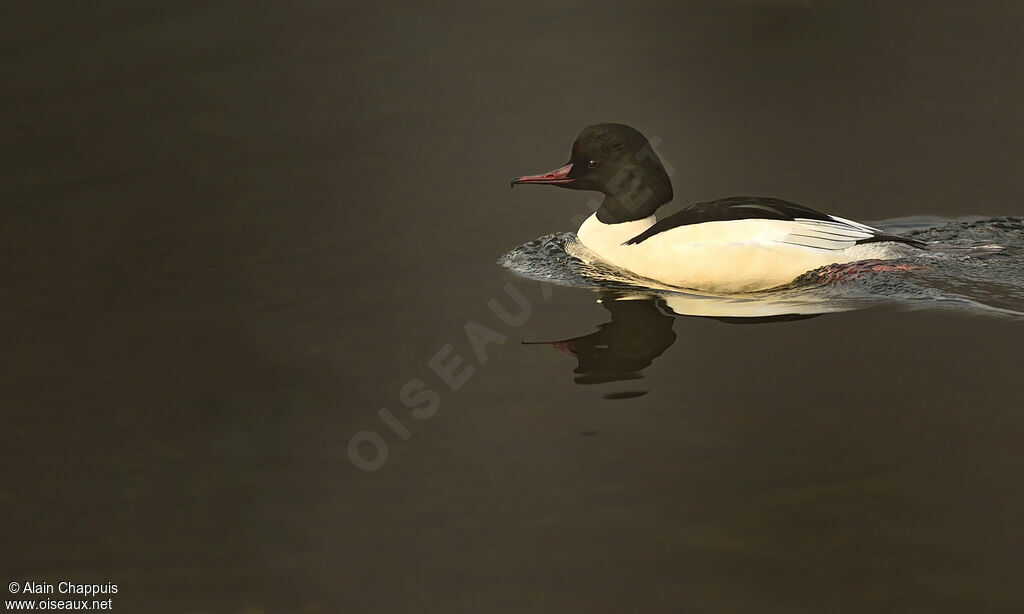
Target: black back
750,207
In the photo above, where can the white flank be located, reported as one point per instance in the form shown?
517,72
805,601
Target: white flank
733,256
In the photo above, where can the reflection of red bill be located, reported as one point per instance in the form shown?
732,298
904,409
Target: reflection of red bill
843,272
562,346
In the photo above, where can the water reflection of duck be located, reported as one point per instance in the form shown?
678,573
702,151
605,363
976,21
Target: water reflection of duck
736,244
640,329
621,348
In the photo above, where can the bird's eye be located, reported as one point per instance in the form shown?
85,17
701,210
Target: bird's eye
592,164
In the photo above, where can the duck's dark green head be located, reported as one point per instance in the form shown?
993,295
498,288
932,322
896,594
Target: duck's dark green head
619,162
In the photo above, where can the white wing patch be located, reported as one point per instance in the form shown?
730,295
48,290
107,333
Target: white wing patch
835,234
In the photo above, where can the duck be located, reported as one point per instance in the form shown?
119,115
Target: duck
731,245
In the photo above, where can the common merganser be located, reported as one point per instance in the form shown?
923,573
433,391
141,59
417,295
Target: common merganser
737,244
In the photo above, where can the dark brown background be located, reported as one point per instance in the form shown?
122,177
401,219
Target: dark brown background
233,231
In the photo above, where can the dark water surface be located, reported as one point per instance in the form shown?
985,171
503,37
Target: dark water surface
234,232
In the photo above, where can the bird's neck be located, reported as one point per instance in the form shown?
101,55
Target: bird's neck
615,211
634,194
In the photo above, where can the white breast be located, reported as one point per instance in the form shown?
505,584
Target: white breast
731,256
